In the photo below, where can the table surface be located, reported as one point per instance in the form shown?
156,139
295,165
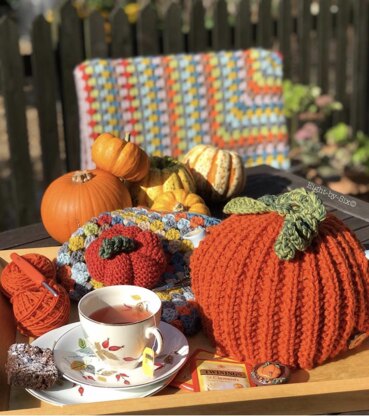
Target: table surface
334,387
261,180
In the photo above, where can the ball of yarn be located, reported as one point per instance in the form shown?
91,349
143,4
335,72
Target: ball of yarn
281,281
13,280
126,255
37,311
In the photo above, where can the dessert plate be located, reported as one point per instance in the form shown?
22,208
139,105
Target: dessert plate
65,392
78,363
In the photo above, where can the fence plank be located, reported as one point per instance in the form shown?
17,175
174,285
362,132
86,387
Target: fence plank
341,57
95,44
11,68
265,24
363,66
43,68
147,32
197,37
284,35
243,26
304,31
71,54
121,39
358,10
173,41
221,34
324,33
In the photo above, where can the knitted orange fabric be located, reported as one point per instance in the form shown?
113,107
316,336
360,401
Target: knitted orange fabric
13,280
37,311
256,307
143,266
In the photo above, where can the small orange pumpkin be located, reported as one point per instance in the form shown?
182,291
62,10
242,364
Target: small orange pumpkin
73,198
180,200
120,157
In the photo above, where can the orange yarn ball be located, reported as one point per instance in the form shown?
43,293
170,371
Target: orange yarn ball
37,311
257,307
13,280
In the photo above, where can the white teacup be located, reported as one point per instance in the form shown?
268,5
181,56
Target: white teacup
120,345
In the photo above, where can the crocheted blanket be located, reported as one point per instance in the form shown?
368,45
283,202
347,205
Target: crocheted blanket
171,103
178,306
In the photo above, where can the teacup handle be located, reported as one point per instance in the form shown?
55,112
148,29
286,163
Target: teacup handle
158,336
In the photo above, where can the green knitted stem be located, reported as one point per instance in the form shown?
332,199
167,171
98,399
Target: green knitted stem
303,211
118,244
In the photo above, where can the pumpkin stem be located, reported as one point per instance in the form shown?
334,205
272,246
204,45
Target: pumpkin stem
118,244
178,207
163,162
127,137
81,176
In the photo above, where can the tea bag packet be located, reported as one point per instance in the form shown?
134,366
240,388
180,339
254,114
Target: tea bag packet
183,379
210,375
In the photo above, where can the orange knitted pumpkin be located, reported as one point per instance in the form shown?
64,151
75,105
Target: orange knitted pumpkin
126,256
281,281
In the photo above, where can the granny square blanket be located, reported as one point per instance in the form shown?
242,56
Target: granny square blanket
171,103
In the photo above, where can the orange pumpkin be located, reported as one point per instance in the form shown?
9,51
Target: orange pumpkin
180,200
120,157
72,199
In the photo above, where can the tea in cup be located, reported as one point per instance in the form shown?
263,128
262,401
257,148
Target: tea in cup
120,322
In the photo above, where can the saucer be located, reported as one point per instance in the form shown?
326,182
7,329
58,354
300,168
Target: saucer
65,392
78,363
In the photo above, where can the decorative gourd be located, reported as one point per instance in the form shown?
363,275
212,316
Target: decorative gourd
219,174
120,157
165,174
72,199
180,200
126,256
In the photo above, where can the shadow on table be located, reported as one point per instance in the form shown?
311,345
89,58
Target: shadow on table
261,184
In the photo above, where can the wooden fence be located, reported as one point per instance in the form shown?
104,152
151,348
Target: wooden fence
329,49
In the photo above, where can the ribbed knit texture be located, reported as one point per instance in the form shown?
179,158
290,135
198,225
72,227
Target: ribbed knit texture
143,266
257,307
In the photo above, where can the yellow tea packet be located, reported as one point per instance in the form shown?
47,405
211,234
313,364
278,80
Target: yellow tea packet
219,375
183,379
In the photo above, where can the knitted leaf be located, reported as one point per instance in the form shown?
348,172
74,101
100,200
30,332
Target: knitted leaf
115,245
303,211
244,205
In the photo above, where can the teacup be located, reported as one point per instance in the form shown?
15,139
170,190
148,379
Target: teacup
120,322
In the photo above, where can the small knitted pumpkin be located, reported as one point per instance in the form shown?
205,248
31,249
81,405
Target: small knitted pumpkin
281,281
126,255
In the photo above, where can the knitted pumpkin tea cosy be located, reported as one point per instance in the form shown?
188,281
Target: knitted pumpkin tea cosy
281,280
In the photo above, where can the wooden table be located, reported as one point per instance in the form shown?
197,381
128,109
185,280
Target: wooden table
261,180
338,386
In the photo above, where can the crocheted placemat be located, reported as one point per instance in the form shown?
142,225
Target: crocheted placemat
174,289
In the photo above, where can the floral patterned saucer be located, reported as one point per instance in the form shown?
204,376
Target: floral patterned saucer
65,392
78,363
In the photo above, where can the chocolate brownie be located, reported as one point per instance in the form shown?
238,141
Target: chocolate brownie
31,367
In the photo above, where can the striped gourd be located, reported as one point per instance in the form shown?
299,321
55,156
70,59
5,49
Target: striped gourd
219,174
